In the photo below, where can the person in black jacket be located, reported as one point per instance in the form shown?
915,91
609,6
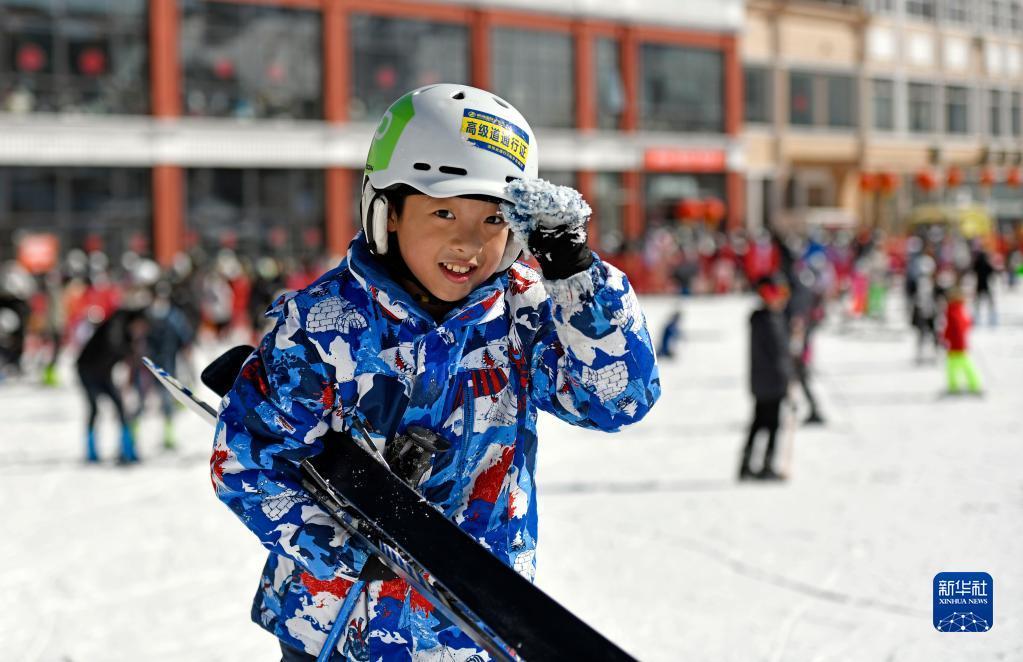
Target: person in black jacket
116,339
770,371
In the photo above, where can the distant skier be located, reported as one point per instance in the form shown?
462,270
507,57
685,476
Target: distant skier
925,307
169,335
983,270
429,321
770,371
670,335
956,336
118,338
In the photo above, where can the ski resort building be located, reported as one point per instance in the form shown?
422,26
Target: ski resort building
858,112
160,125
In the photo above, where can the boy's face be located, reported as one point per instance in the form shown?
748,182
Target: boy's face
450,244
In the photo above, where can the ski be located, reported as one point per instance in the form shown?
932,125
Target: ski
503,612
181,392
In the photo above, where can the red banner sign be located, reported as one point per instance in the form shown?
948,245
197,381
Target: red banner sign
670,159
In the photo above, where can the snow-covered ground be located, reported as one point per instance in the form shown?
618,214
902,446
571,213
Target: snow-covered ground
645,534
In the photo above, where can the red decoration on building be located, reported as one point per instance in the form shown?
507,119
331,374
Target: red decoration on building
1013,177
275,73
277,237
689,209
92,61
987,177
673,159
869,182
93,243
386,77
713,210
31,58
889,182
954,177
926,180
311,237
223,68
139,243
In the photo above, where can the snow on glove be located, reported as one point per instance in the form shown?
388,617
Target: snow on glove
551,221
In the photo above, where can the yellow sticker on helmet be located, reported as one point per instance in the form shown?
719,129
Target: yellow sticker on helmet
496,135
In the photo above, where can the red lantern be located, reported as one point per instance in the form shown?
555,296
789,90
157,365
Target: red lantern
31,58
1013,177
92,61
713,210
889,182
926,180
869,182
223,68
689,209
954,177
275,73
987,177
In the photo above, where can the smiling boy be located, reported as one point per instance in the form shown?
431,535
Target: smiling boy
429,321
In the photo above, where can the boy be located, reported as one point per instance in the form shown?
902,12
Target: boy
430,309
770,371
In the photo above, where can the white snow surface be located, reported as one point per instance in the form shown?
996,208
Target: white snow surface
645,534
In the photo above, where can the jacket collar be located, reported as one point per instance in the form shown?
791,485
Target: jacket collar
483,304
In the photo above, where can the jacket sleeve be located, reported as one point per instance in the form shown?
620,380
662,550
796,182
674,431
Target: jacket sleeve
275,416
592,361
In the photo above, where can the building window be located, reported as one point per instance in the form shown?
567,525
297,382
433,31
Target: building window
996,11
1014,115
883,104
921,8
609,198
995,112
801,98
842,101
108,209
80,57
957,11
257,212
681,89
250,61
757,90
957,110
607,72
1015,17
921,108
391,56
524,62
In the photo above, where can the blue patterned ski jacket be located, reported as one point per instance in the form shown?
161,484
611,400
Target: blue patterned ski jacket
353,343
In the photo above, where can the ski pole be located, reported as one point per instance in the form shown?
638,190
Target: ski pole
341,622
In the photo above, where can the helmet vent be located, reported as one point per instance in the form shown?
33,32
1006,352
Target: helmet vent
452,170
421,166
458,95
509,179
501,102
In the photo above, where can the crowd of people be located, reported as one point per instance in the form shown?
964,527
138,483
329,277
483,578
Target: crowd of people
107,315
800,279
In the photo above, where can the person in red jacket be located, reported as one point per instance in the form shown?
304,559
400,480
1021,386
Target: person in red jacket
957,329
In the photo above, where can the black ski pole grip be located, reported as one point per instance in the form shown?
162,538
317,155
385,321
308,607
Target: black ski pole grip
220,374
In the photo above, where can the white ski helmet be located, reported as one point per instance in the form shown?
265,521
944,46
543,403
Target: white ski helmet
446,140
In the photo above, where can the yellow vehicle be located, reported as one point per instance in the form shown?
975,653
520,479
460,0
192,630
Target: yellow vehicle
972,221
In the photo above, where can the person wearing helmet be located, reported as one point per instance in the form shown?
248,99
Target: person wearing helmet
429,321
